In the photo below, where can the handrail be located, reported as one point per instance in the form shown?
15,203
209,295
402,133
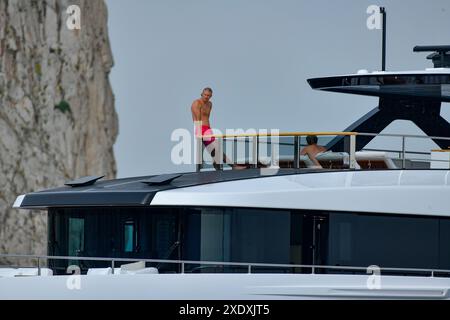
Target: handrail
321,133
249,266
218,160
397,151
401,135
279,134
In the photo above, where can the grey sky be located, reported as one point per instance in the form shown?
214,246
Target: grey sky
256,55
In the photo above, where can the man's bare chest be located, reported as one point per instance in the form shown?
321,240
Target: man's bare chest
205,109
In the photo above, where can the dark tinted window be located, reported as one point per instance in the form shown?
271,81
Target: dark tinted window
386,241
242,235
76,236
129,234
250,235
444,244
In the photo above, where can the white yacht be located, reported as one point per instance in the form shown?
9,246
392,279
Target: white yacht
370,224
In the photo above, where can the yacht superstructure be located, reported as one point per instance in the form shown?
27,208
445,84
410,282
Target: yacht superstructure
368,224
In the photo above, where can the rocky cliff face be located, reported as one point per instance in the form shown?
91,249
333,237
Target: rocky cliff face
57,116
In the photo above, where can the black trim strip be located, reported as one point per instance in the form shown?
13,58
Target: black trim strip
43,200
409,85
133,192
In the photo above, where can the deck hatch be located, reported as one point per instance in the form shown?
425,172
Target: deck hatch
161,179
84,181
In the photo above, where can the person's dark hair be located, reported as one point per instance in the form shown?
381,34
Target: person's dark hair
311,139
207,89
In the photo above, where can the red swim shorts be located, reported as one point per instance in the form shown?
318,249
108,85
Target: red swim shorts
206,131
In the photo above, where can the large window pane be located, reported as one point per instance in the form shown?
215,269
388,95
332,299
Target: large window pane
76,238
215,235
444,248
238,235
259,235
386,241
165,236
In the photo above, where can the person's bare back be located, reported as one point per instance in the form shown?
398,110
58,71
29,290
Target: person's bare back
312,150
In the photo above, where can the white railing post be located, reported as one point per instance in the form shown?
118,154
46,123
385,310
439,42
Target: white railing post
275,147
352,151
403,152
229,147
255,151
218,156
235,150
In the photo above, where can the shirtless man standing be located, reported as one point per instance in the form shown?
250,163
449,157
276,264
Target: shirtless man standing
201,110
312,150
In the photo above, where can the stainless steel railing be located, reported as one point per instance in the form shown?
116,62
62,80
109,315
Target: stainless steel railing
255,141
248,266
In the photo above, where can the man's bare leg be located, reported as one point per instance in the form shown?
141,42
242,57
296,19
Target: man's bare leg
212,150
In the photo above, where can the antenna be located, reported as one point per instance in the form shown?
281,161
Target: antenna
383,47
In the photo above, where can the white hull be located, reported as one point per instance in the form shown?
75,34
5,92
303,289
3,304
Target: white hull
223,287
